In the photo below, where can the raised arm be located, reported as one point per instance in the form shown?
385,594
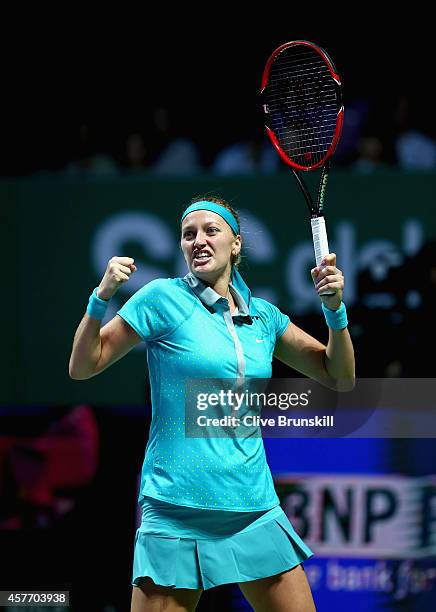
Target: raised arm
332,365
95,348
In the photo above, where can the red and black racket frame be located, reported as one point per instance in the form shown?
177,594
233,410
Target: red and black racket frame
316,210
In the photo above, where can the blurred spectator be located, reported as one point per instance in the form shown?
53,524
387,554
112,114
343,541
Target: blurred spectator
414,149
41,474
180,158
396,302
247,157
90,161
355,117
178,155
136,153
370,155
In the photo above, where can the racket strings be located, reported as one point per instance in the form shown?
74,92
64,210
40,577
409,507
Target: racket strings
303,104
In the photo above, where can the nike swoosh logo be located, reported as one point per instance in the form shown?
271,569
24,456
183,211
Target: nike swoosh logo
259,339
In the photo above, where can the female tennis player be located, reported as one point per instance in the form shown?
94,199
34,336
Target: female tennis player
210,513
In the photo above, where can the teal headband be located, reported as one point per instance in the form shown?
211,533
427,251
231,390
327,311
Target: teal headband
216,208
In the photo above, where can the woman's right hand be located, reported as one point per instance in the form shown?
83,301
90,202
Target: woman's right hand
118,271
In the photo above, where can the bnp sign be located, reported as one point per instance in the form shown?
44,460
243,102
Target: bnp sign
362,516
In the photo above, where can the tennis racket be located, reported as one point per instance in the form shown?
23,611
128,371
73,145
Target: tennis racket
302,103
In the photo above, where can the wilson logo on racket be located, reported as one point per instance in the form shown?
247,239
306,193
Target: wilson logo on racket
323,187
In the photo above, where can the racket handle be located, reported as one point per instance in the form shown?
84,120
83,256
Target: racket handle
319,235
320,242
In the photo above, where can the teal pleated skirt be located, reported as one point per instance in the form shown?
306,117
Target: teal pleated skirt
193,548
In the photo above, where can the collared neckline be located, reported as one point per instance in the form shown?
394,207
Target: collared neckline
210,297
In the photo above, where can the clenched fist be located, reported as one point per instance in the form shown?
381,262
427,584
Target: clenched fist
328,277
118,271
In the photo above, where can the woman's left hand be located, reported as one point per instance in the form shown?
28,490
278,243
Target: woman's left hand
328,276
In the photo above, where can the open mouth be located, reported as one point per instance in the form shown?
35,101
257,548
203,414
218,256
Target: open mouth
201,258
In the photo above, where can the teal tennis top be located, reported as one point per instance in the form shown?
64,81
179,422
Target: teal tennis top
191,334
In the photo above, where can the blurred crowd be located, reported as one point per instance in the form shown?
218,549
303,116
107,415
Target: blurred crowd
398,304
391,317
393,134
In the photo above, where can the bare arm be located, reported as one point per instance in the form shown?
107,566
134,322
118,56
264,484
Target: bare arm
331,365
339,359
95,349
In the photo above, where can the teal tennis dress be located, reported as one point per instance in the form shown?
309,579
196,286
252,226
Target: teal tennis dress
210,513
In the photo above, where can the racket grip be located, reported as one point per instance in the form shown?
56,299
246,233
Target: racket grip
320,242
319,235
